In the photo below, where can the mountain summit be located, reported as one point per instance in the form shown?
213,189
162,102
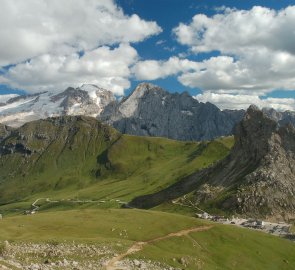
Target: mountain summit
151,111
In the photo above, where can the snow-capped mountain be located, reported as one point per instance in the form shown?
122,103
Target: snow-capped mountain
85,100
148,111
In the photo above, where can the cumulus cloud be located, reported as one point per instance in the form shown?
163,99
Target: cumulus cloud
261,72
229,101
106,67
235,31
31,28
42,41
256,46
152,69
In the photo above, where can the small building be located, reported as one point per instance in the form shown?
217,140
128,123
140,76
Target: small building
205,215
29,212
260,223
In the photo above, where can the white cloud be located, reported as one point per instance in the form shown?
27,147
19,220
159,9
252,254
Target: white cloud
42,39
261,72
235,31
229,101
106,67
31,28
152,69
256,46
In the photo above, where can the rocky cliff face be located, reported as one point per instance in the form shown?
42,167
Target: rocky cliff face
151,111
256,179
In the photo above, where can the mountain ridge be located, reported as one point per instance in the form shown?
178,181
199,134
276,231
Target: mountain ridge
149,110
255,179
156,112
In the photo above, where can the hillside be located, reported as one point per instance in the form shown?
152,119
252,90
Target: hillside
79,157
256,179
153,240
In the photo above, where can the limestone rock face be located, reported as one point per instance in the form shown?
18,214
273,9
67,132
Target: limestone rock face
152,111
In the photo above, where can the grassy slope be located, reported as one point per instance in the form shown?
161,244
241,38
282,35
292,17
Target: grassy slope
86,167
221,247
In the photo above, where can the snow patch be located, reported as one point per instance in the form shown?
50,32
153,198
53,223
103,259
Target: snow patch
5,98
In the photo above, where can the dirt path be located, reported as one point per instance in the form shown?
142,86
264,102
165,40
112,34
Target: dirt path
138,246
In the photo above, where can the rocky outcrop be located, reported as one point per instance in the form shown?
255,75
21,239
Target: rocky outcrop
4,131
256,179
152,111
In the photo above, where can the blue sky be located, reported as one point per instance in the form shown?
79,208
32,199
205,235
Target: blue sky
168,14
225,52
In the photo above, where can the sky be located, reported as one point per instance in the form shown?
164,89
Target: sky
230,53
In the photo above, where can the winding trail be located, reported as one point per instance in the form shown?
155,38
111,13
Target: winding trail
138,246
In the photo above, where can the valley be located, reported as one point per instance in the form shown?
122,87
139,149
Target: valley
69,186
147,135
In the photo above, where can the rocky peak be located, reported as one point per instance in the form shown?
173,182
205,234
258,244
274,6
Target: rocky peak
142,88
151,111
259,171
129,105
253,134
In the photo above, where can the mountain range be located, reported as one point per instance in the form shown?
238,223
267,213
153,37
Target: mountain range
148,111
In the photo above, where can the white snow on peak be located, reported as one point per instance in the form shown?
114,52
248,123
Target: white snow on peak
4,98
93,92
20,103
43,105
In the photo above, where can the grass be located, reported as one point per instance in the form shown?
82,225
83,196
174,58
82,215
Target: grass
87,166
221,247
90,161
224,247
